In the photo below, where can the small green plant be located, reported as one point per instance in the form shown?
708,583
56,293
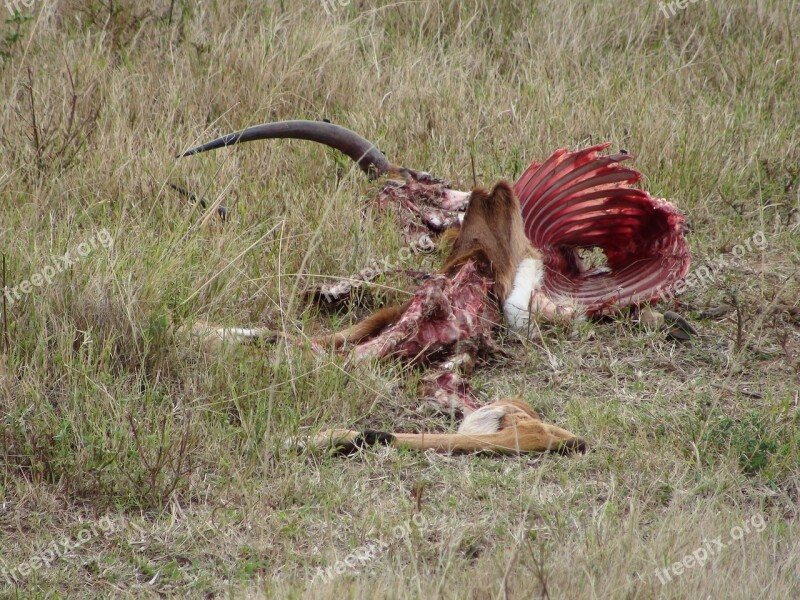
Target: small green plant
13,37
760,444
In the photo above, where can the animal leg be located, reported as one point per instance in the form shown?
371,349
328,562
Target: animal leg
363,330
214,338
504,427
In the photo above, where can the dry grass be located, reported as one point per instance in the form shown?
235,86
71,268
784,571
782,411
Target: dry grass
105,413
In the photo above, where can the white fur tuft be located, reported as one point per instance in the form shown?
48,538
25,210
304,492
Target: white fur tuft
527,280
483,420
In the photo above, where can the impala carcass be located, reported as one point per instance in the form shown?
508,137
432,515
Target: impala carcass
516,257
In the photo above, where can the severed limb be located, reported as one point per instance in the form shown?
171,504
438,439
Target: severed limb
507,426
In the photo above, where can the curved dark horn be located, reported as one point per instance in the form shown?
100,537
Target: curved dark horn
369,158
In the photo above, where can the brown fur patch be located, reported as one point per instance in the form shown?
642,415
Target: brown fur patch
493,235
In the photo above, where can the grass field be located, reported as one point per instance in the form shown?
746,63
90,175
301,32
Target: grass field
134,464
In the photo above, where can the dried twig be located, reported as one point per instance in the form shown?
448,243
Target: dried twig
474,178
6,339
35,128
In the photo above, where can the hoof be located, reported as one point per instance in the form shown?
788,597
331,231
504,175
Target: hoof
573,446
